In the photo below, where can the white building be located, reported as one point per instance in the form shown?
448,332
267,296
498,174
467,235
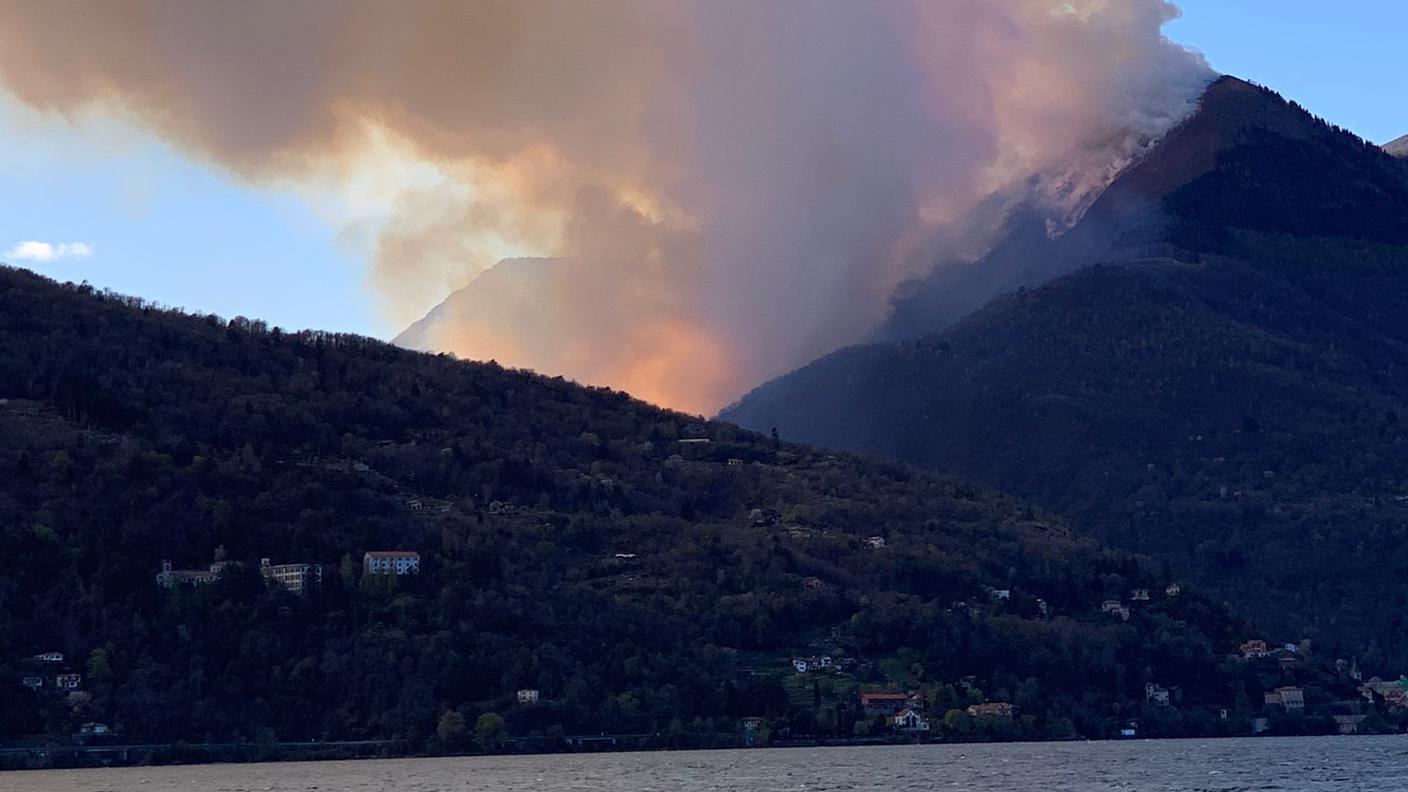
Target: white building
528,696
391,562
169,577
297,578
68,681
909,720
49,657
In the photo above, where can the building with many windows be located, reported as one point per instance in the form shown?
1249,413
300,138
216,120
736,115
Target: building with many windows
391,562
297,578
170,577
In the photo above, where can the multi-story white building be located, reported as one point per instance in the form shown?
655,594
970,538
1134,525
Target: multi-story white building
391,562
297,578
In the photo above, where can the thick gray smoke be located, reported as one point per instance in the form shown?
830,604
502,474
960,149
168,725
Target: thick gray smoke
726,188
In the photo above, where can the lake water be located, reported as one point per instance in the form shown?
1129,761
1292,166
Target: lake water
1344,764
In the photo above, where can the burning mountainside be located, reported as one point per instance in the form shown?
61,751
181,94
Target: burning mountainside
758,176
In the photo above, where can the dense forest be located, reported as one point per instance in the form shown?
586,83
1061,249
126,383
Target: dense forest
1232,404
646,572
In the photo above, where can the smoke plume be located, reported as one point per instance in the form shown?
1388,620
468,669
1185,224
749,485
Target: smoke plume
717,190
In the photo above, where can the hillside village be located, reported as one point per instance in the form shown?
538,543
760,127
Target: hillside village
1286,688
319,538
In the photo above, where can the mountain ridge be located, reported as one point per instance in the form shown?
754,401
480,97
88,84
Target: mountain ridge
1287,239
648,573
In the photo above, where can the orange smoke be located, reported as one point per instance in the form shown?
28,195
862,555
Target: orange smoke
726,188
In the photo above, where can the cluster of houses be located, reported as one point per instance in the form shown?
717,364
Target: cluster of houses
1348,715
1118,608
905,711
1288,655
815,664
298,578
62,679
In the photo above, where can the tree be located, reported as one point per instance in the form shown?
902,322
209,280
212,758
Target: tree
451,729
489,730
99,669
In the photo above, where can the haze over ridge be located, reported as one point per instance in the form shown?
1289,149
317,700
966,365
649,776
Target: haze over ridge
738,188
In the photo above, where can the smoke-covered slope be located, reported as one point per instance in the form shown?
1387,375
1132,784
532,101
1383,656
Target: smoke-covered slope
1232,406
1246,159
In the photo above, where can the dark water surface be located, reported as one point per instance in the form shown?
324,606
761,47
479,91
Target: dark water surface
1370,764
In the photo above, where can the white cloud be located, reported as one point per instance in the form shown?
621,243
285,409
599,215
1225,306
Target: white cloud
33,250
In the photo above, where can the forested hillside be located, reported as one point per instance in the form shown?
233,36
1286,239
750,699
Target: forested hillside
1232,406
646,572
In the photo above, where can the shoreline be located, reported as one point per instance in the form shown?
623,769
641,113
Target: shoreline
69,757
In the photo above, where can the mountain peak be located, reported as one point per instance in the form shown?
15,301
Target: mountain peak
1398,148
1229,108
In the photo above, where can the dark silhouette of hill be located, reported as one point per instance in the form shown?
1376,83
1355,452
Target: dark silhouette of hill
646,571
1231,405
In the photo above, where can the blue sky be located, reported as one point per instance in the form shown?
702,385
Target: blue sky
181,233
1345,59
174,231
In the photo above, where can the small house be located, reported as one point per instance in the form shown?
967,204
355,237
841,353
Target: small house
527,696
1173,590
1253,649
752,726
92,729
875,542
1290,699
1139,595
1114,607
1156,694
992,709
1348,724
68,681
909,720
883,703
813,583
33,682
49,657
1394,693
